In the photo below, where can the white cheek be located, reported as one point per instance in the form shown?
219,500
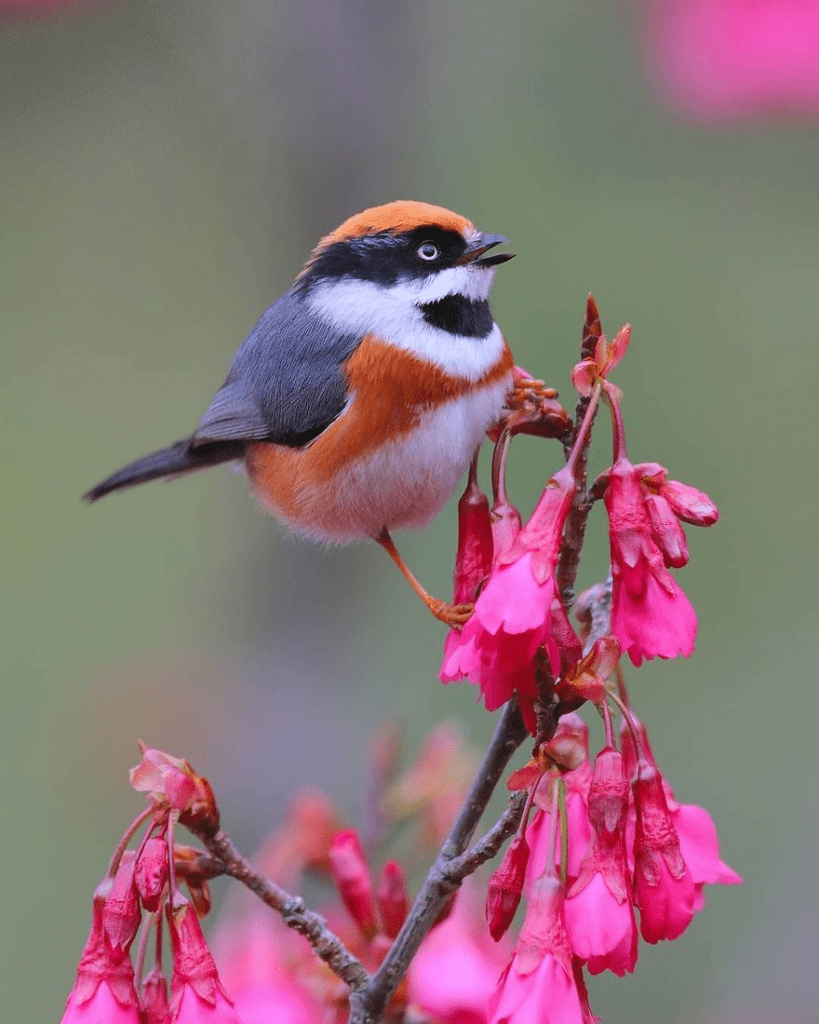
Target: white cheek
471,282
360,307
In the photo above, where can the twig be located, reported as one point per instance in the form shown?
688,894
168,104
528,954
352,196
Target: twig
294,913
486,847
367,1005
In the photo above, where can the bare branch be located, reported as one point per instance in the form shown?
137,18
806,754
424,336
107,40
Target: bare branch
367,1007
328,946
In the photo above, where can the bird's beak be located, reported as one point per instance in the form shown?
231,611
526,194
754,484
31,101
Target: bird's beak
483,244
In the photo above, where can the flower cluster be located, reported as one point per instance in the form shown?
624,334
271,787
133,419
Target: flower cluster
140,890
519,640
603,839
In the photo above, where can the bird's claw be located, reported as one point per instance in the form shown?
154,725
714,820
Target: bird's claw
453,615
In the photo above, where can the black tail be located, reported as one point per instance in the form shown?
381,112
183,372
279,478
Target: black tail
174,461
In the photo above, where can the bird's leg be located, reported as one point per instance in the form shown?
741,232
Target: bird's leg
454,615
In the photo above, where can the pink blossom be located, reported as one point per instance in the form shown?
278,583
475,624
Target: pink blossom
193,1008
197,995
663,886
520,610
103,1007
696,832
651,616
542,982
599,910
572,730
453,975
154,998
104,989
171,783
723,59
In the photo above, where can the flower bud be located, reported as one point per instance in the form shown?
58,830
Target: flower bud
392,898
151,874
171,783
121,914
351,873
506,887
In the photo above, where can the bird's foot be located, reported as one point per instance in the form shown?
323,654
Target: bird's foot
453,615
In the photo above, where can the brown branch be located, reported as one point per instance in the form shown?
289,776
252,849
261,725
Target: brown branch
328,947
367,1005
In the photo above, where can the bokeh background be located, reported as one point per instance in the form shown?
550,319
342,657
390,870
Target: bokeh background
166,169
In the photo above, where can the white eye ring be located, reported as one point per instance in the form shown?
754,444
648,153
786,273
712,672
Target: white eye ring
428,251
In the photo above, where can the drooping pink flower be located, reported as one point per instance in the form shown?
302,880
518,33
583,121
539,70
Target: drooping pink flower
651,616
520,610
453,975
153,998
599,911
572,734
664,889
197,995
696,832
541,981
725,59
104,989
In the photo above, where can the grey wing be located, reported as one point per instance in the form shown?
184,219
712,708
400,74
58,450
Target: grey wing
286,383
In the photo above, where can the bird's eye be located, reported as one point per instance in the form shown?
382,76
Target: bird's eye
428,251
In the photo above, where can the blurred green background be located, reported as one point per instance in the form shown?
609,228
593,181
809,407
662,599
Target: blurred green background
166,170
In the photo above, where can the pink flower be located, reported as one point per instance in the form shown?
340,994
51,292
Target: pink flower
520,610
723,59
696,832
171,783
154,998
542,982
598,910
104,989
572,730
453,975
651,616
197,996
663,886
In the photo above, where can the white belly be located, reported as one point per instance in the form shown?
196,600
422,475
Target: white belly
406,482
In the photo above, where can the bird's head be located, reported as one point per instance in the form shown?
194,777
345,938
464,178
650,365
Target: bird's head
403,267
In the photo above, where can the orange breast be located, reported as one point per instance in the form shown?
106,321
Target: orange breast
391,393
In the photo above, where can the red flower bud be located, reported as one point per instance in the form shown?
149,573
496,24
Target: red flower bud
151,874
506,887
351,873
392,897
121,914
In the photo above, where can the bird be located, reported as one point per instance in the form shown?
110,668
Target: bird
361,397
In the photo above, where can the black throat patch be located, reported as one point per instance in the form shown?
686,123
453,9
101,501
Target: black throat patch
459,315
